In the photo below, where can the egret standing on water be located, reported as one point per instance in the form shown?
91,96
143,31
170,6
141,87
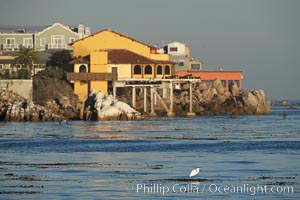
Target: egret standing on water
194,172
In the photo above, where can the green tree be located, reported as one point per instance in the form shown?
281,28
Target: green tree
26,57
60,59
22,74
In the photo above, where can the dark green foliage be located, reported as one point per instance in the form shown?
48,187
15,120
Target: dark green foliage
51,72
50,84
61,59
26,57
22,74
6,74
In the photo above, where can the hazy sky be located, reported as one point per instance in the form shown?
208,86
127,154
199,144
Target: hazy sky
259,37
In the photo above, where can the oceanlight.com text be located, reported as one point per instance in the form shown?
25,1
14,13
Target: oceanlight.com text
213,188
250,189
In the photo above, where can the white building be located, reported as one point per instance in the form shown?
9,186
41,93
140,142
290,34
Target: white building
180,53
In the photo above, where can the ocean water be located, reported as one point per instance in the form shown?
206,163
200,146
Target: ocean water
239,158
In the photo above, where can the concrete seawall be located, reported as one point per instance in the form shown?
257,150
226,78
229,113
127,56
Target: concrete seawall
23,87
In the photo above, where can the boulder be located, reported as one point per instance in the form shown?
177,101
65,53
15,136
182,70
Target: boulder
108,108
217,83
250,101
109,113
202,86
65,102
234,90
260,95
216,99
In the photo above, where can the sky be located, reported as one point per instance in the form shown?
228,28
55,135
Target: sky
259,37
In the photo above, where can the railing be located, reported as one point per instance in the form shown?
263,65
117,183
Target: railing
56,46
10,46
90,76
28,45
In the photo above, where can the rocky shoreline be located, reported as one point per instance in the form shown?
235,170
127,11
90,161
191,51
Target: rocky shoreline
217,100
213,100
285,103
207,100
15,108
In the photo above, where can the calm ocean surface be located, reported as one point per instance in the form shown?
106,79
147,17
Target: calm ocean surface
241,158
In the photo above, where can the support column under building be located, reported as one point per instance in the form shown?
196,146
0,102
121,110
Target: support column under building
165,90
133,97
191,113
152,113
171,113
114,91
145,99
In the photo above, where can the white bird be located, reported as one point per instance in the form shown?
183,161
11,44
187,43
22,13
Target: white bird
194,172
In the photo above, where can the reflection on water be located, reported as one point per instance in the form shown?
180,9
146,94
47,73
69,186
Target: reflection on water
118,160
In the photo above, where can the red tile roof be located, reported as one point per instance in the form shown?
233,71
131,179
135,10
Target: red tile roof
81,60
123,56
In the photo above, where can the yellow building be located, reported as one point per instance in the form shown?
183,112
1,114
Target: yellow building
106,56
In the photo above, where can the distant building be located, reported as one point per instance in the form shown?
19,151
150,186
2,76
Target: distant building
226,77
5,65
54,37
180,54
188,67
6,61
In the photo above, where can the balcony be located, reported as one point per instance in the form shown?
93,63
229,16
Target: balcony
92,76
56,46
28,45
10,46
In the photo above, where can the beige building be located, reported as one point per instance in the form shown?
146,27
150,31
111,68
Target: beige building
180,54
55,37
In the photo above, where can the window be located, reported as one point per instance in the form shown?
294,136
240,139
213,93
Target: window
10,43
27,42
137,69
159,70
148,69
82,69
71,40
18,66
167,69
42,42
173,49
181,63
57,42
195,67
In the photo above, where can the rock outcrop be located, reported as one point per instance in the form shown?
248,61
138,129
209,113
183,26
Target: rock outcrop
207,100
217,100
212,99
284,103
15,108
105,107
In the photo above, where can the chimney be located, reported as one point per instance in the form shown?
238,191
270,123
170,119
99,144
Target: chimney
80,30
87,31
